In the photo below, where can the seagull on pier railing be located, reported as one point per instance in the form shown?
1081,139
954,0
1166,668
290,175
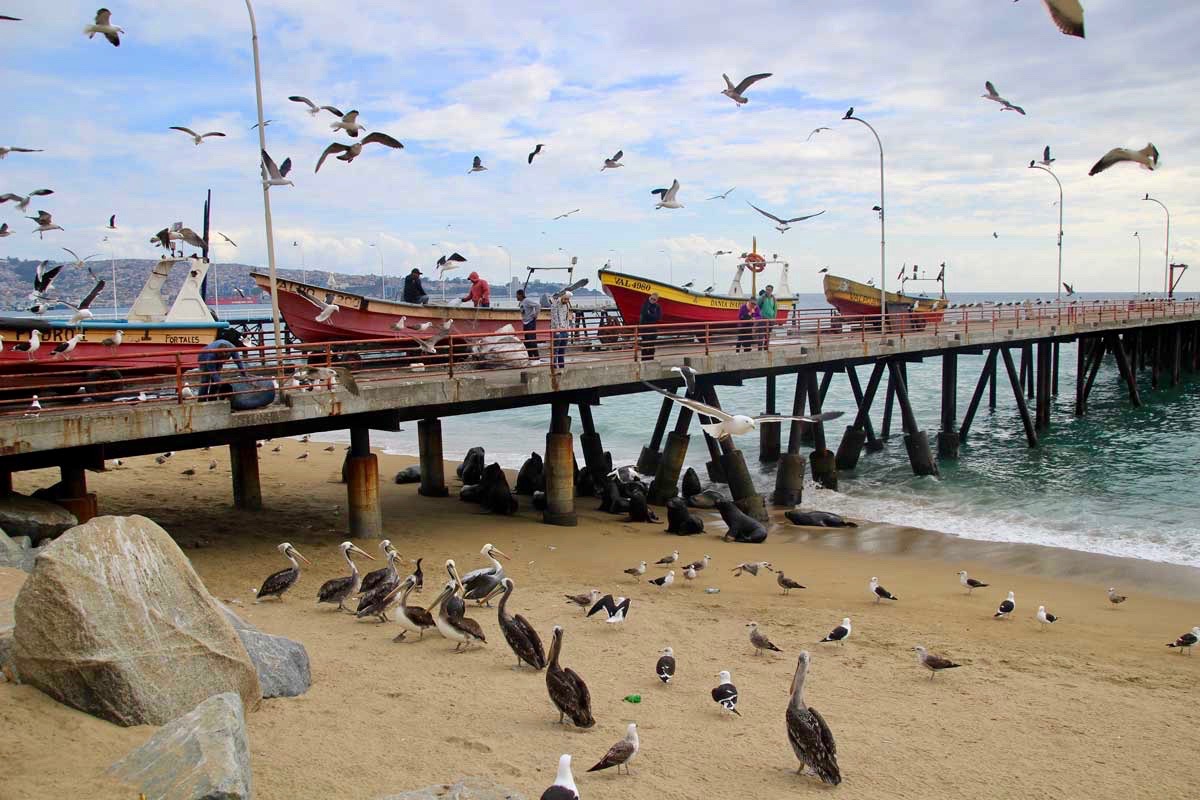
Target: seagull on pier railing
738,93
726,424
1147,157
784,224
995,97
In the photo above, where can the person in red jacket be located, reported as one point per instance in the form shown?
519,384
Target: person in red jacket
480,294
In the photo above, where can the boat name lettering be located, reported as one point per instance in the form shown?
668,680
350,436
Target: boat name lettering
182,339
640,286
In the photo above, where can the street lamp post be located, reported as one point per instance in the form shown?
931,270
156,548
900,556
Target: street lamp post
1050,172
882,227
1139,281
1167,247
715,254
262,146
671,262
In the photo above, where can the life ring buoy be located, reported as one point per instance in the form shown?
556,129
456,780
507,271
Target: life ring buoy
755,262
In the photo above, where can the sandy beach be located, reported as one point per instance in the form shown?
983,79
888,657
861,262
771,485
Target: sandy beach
1088,708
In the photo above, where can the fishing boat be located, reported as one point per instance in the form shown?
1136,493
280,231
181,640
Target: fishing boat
362,317
854,299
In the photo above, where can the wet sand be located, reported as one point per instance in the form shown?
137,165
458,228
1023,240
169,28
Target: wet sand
1096,706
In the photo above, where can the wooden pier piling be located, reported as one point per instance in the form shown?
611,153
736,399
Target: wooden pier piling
769,432
362,487
243,463
920,458
821,460
987,378
647,463
560,469
593,448
666,479
859,432
429,448
75,497
789,475
1019,396
948,438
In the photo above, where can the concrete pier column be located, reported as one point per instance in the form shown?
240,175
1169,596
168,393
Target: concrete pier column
433,471
243,463
560,470
947,438
920,458
715,466
992,386
666,479
647,463
1176,335
1042,385
593,447
362,487
821,459
789,475
769,432
741,486
75,496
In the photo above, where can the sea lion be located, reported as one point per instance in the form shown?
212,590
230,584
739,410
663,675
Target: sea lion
588,485
679,521
742,527
471,469
409,474
611,500
705,499
629,488
819,519
691,483
639,509
497,497
532,476
539,501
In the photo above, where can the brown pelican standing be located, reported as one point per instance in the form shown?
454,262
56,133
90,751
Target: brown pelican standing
567,690
375,602
372,578
520,635
811,739
482,584
338,590
279,582
454,626
410,618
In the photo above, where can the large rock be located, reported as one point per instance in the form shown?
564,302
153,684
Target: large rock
203,755
15,553
11,581
464,789
115,622
37,519
282,664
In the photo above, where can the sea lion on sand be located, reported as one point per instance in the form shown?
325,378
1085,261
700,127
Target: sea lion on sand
639,509
819,519
409,474
611,500
679,521
691,483
742,527
588,485
705,499
532,476
471,469
496,496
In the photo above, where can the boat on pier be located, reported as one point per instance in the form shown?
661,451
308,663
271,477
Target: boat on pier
854,299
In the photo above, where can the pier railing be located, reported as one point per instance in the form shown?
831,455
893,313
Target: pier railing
92,382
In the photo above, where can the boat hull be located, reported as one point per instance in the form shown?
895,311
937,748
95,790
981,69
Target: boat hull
679,305
854,299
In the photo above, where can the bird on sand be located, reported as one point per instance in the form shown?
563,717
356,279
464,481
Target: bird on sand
783,225
667,196
760,641
476,165
279,582
1067,16
667,560
563,787
723,195
338,590
568,692
664,581
1147,157
621,753
584,600
786,583
839,634
725,694
103,25
347,122
45,223
807,732
970,583
878,592
738,93
933,662
197,138
665,668
536,150
1187,641
1045,618
274,175
701,564
995,97
816,131
752,567
327,309
726,425
23,201
4,151
616,608
614,162
637,571
1114,598
1007,606
349,152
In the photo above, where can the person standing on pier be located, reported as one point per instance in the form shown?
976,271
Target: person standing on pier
560,324
767,307
413,291
651,316
480,294
212,359
747,313
530,309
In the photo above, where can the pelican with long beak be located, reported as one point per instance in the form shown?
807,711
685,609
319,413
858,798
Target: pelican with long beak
279,582
482,584
448,614
410,618
338,590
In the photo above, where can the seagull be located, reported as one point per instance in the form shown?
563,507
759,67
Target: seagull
35,407
1067,16
45,223
994,96
80,315
839,634
112,223
1046,159
1007,606
232,242
564,216
104,25
933,662
313,108
1044,618
197,138
665,580
699,565
584,600
689,379
665,668
24,200
667,196
79,262
726,694
536,150
275,175
43,278
666,560
348,122
786,583
4,151
447,263
1146,157
621,753
784,224
760,640
727,424
4,231
64,349
708,290
737,93
563,787
752,567
476,165
969,582
815,131
1070,289
1184,642
689,572
637,571
823,270
29,347
609,163
721,196
189,472
616,608
302,456
349,152
266,122
879,592
1114,598
327,309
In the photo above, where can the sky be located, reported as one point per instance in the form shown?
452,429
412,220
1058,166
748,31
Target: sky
457,79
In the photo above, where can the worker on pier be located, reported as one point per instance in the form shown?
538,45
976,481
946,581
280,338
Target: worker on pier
212,359
560,326
413,291
649,319
530,309
480,294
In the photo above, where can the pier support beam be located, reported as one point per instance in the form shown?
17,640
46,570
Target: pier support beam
1019,395
560,469
1155,358
362,487
75,496
1118,348
243,463
715,466
1042,386
429,447
885,431
859,432
789,475
821,460
1176,334
915,441
991,387
1082,360
987,377
948,438
593,448
666,479
1054,373
769,432
647,463
5,483
741,486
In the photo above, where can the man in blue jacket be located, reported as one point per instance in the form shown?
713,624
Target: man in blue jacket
651,316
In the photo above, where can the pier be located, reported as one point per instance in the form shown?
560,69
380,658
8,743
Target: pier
86,420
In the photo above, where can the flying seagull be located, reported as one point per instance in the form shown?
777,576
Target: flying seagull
1007,606
327,309
721,196
348,122
666,197
784,224
1067,16
1146,157
1070,289
4,151
23,201
79,262
476,165
197,138
44,223
933,662
112,222
727,424
274,175
353,151
609,163
536,150
4,231
816,131
1046,159
103,24
232,242
447,263
752,567
737,93
43,278
994,96
564,216
266,122
313,108
970,583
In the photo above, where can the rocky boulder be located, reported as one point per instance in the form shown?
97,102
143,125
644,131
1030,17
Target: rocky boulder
463,789
16,553
282,664
11,581
203,755
115,622
32,517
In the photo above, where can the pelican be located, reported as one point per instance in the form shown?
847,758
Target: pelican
410,618
520,635
567,690
482,584
279,582
375,601
373,578
810,737
338,590
449,617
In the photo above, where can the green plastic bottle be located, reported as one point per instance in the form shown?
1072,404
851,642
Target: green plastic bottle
633,698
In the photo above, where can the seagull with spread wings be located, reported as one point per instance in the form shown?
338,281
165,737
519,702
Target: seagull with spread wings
274,175
995,97
725,424
4,151
784,224
1067,16
348,122
609,163
232,242
723,195
564,216
313,108
197,138
1147,157
666,197
815,131
349,152
45,223
103,24
738,93
327,309
24,200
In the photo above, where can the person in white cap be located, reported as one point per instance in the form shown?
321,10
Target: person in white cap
560,324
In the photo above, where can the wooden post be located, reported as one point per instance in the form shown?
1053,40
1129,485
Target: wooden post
648,461
859,397
1054,373
915,441
715,468
1176,334
904,421
1019,395
885,431
733,468
948,438
666,478
992,387
1081,365
821,460
798,401
1155,357
243,464
1042,386
789,475
362,487
768,432
859,432
986,378
429,447
1097,359
74,496
1118,349
560,469
593,448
